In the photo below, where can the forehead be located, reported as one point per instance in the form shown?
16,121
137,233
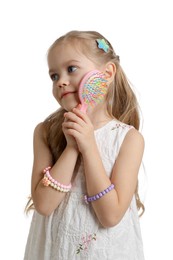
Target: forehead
61,55
65,51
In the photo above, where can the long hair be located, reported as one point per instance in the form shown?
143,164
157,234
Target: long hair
121,100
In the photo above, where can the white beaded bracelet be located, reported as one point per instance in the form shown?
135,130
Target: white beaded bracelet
48,180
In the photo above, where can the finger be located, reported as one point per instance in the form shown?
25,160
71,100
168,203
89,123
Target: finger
65,119
72,125
73,133
70,116
82,115
79,106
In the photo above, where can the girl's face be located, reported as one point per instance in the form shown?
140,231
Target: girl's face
67,67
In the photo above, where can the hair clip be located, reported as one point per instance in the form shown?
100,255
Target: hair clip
102,44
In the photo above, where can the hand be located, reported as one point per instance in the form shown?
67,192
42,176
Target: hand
79,126
70,139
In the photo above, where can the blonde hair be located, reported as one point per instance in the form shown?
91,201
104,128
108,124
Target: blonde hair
121,101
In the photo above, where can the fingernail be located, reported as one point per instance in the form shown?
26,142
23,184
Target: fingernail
79,106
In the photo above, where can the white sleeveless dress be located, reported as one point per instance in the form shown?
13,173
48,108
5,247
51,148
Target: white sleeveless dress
73,232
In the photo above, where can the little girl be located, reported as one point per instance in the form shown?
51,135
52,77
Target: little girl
85,169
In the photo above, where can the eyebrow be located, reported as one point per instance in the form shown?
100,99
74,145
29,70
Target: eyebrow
65,63
51,71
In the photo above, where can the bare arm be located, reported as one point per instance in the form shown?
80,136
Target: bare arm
110,208
46,199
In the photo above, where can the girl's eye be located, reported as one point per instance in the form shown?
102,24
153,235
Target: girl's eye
71,69
54,77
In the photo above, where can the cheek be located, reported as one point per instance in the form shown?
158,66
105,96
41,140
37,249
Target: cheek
56,94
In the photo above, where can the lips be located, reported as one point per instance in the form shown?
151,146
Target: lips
66,93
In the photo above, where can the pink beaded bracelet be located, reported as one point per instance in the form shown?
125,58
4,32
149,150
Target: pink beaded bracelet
99,195
48,180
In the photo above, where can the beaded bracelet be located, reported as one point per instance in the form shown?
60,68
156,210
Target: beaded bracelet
49,181
99,195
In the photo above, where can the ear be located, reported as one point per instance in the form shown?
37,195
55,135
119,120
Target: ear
110,71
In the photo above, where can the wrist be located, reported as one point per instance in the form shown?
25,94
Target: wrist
72,149
90,150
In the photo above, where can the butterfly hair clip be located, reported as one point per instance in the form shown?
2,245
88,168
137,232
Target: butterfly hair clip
102,44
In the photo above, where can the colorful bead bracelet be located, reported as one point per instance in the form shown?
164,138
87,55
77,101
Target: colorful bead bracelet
48,180
99,195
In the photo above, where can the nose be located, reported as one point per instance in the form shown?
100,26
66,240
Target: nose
63,81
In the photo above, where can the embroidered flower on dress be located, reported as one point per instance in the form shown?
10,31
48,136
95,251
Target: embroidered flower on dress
86,240
121,125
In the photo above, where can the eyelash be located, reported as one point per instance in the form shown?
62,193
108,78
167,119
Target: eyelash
71,67
55,77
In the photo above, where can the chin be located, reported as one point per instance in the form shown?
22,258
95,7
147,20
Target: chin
70,106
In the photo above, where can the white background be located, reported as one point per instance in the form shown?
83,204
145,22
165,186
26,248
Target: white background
141,33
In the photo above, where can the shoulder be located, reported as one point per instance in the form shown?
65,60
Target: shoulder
134,141
39,128
134,135
39,131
